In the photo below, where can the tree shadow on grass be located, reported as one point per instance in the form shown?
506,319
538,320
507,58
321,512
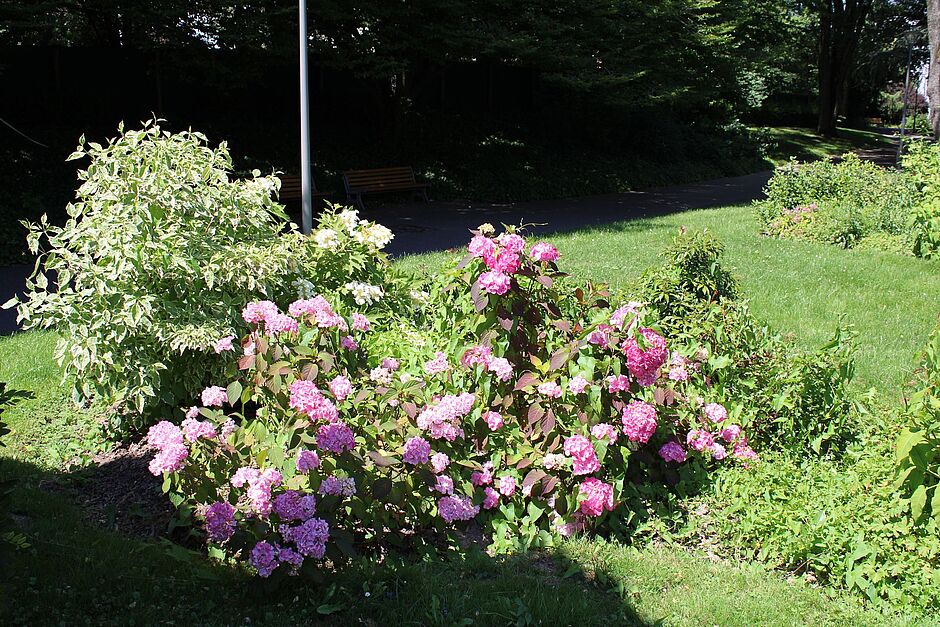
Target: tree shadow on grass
83,565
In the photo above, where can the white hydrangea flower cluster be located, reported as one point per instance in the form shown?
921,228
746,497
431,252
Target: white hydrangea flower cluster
363,293
374,235
326,238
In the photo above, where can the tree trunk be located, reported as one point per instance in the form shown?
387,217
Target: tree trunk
827,96
840,26
933,69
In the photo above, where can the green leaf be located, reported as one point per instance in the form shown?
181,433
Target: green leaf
906,442
234,391
918,501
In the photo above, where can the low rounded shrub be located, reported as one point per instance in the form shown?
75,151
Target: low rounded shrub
536,409
843,202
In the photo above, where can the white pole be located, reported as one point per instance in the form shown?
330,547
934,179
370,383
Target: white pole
307,205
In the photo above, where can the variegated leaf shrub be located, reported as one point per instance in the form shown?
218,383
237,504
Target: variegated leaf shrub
162,250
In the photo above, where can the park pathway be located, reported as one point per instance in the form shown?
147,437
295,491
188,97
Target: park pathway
436,226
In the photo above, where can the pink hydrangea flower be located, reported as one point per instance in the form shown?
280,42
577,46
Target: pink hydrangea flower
308,306
391,364
442,420
192,412
381,375
494,282
543,251
493,420
259,311
444,485
439,462
598,497
501,367
264,558
214,396
553,461
224,344
476,355
678,373
310,537
618,383
600,336
481,245
306,398
227,429
550,389
437,365
718,451
507,485
348,343
504,261
340,387
715,412
484,476
280,323
678,368
619,317
605,431
338,486
335,437
260,484
730,433
512,242
360,322
167,438
578,384
417,451
307,460
672,451
220,521
699,439
454,507
744,452
194,429
292,505
490,498
579,448
639,421
644,364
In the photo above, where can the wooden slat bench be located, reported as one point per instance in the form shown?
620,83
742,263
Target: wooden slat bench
292,190
382,180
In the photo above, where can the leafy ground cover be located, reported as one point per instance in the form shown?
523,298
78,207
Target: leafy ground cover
94,567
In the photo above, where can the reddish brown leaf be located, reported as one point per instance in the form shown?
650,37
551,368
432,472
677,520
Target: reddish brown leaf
532,478
549,484
535,413
525,380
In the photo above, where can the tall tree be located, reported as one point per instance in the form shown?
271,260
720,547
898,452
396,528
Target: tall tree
933,69
840,27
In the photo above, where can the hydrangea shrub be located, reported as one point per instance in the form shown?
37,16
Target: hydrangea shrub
162,250
539,410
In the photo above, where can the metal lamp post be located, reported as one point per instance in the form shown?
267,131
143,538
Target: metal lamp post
305,186
910,37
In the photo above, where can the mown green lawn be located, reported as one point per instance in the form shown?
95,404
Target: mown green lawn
804,288
77,572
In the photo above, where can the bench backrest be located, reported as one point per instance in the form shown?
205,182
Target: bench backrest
381,178
291,188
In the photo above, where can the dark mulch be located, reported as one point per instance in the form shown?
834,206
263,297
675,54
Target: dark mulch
116,491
